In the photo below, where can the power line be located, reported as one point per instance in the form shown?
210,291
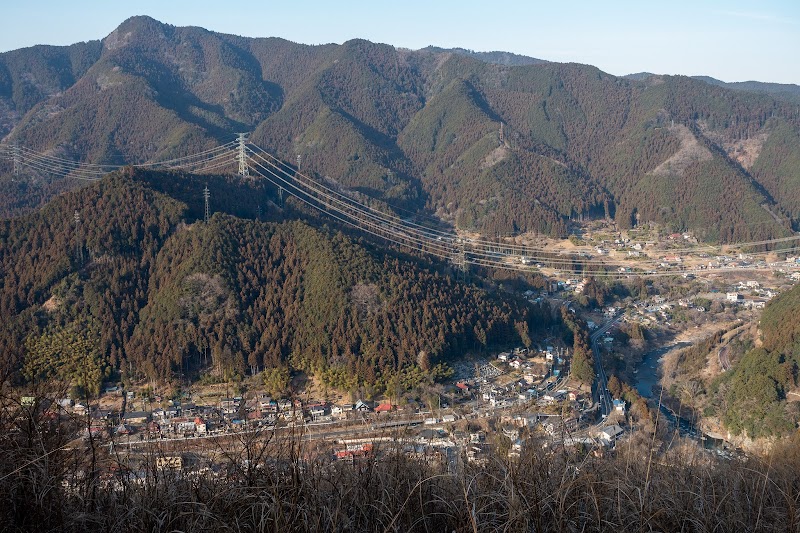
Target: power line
206,160
402,232
461,251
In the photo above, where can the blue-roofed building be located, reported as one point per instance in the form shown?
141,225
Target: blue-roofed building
619,406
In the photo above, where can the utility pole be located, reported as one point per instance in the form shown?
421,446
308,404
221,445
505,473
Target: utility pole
299,159
206,196
502,136
78,239
244,169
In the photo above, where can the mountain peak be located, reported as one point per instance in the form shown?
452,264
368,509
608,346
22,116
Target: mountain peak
140,26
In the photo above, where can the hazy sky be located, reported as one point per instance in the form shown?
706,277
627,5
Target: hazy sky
731,40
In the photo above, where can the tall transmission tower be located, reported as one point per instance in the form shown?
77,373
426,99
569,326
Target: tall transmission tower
206,196
78,239
244,169
459,258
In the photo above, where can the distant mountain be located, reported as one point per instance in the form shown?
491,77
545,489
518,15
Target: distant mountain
498,58
779,89
490,142
776,89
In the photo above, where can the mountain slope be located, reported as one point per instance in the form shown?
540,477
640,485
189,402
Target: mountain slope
419,129
165,295
758,397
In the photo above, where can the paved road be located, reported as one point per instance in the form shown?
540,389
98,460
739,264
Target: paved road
600,389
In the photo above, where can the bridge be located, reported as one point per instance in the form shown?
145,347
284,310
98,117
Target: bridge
251,161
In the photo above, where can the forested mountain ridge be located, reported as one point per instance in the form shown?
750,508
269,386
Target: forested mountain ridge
758,396
160,294
495,143
497,57
786,90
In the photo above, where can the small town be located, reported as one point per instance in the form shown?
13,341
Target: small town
500,400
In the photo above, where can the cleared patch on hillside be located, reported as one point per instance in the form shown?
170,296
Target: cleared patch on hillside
690,152
743,151
746,151
494,157
51,304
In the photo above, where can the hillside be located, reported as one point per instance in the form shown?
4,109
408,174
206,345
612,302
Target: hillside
494,142
758,397
759,394
163,295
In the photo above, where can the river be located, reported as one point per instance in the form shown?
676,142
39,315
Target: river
648,378
649,370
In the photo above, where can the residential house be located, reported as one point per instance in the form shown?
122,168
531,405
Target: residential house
136,418
229,406
609,434
317,410
463,387
573,395
384,408
340,410
362,406
183,425
268,405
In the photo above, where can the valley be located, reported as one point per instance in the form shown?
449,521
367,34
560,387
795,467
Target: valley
235,263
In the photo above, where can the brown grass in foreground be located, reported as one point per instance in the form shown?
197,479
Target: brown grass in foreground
282,486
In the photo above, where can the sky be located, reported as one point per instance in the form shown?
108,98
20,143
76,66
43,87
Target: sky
731,40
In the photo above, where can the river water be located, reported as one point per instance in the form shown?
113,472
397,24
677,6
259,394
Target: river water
649,374
648,378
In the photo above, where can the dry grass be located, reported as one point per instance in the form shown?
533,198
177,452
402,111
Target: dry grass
283,487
